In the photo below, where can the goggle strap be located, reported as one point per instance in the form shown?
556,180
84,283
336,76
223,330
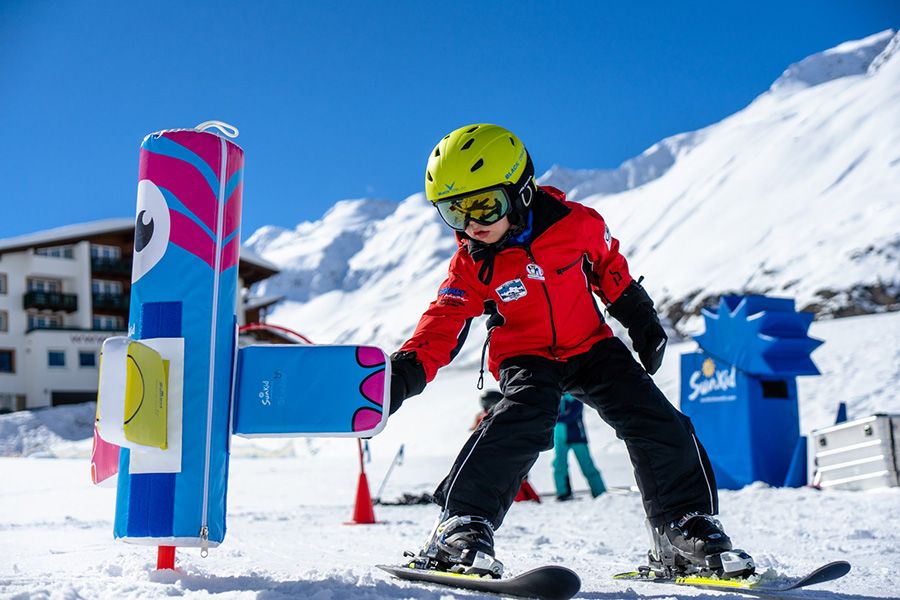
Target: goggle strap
525,187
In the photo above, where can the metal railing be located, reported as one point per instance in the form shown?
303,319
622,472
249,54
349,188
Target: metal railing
111,301
116,266
51,301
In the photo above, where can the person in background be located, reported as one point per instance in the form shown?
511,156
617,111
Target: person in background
569,434
489,400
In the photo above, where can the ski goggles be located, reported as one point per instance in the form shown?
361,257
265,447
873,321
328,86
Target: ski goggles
485,207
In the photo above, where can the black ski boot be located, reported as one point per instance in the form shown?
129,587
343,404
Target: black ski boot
461,544
697,543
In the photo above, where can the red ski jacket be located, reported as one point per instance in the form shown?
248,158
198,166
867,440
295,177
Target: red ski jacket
544,289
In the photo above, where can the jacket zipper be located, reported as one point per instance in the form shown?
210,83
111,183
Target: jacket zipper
552,347
569,266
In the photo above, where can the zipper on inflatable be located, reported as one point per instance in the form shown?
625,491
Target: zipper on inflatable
220,224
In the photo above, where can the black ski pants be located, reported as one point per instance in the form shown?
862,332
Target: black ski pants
671,467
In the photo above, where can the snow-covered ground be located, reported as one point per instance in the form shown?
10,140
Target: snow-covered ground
289,499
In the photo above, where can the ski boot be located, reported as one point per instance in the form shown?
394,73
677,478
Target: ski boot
460,544
696,544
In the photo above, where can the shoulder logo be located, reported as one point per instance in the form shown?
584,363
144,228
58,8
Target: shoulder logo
512,290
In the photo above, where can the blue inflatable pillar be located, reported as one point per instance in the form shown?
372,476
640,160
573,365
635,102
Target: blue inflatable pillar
740,389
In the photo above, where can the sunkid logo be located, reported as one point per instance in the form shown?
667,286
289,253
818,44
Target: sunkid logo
714,381
264,395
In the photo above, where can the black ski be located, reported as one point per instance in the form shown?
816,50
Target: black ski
544,583
750,587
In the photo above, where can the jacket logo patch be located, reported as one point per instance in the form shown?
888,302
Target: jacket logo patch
512,290
535,272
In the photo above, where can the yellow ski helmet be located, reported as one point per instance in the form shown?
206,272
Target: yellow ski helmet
473,159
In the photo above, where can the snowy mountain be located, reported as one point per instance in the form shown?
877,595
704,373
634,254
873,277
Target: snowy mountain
795,195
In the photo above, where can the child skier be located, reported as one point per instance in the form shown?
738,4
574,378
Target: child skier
569,434
541,260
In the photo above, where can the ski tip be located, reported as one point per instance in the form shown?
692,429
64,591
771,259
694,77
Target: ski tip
838,568
554,569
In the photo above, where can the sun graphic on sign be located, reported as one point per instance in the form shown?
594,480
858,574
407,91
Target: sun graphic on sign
709,367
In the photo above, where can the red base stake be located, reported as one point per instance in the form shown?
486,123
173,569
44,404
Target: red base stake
165,558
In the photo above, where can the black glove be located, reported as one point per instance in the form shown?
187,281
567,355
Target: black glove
407,378
634,309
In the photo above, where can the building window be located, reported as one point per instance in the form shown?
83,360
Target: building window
3,288
4,321
103,251
39,321
7,403
7,361
109,323
56,358
87,359
37,284
56,251
103,286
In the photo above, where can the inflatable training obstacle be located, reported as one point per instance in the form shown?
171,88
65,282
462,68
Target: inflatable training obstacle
173,391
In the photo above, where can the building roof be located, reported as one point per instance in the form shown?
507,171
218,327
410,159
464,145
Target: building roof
261,301
259,261
66,233
259,268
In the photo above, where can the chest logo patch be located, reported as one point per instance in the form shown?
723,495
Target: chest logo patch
512,290
535,272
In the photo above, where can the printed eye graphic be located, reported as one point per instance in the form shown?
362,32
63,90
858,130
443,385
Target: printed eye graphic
143,232
151,229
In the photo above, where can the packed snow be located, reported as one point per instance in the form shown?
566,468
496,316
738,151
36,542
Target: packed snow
288,501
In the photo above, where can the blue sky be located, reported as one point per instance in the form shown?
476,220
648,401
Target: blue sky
344,100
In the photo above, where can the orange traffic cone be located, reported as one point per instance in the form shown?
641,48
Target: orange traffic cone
363,510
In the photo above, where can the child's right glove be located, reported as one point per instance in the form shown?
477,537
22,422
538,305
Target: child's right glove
407,378
634,309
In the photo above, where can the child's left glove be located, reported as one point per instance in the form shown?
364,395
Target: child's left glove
634,309
407,378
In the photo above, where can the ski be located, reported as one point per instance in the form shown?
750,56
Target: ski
544,583
752,586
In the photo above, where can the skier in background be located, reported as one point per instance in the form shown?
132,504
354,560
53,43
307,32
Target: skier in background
489,400
569,434
543,260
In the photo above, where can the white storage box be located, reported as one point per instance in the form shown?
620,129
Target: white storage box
857,455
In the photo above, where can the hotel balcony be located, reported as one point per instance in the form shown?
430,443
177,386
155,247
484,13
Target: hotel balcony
51,301
110,266
111,302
